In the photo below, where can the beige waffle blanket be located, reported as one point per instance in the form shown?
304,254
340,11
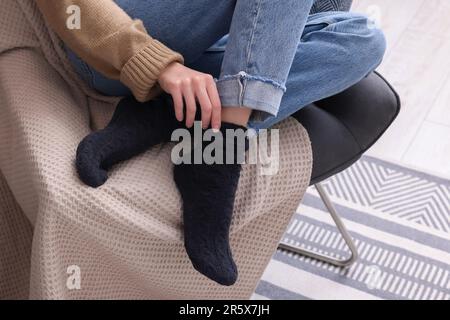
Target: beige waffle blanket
124,238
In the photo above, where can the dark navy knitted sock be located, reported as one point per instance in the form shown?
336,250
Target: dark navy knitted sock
133,129
208,193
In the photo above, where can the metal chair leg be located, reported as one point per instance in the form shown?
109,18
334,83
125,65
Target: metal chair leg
342,229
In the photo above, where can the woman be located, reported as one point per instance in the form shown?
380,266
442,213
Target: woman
234,64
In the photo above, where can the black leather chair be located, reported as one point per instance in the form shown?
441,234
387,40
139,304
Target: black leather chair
341,129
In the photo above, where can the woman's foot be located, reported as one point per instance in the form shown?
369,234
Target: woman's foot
134,128
208,193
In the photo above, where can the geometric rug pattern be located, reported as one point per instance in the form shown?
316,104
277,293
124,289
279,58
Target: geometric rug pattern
400,221
397,191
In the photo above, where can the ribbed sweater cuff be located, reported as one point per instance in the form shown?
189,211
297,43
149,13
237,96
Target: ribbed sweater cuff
142,71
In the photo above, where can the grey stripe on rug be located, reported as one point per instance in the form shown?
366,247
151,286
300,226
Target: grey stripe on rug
400,221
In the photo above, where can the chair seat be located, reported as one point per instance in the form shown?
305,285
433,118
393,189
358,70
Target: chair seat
344,126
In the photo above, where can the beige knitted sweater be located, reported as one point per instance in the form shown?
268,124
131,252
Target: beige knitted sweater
111,42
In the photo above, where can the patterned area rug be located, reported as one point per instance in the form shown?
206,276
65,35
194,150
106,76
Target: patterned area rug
400,221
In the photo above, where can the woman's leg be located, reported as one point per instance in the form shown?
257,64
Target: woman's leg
261,46
191,27
263,43
337,50
263,39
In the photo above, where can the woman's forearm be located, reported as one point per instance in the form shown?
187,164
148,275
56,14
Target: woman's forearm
111,42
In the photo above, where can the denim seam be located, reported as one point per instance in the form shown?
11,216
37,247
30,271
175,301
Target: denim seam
250,43
256,78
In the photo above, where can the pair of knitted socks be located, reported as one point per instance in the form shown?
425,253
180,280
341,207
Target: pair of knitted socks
207,190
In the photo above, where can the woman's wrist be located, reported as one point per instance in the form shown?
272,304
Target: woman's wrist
143,70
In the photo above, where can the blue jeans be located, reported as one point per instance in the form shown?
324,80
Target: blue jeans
268,55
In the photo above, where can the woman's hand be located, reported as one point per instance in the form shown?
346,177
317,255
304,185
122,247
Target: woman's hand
191,86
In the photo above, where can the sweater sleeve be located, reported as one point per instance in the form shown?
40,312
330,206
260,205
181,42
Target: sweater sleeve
112,43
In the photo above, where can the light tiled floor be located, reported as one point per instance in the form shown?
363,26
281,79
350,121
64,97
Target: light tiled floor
417,63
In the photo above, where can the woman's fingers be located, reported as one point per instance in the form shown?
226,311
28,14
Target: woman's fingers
188,89
178,103
216,105
204,101
189,99
186,84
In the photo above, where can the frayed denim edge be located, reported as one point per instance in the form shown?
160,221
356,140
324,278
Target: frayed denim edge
244,75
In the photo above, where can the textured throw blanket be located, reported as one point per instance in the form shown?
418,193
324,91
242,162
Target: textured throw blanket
62,240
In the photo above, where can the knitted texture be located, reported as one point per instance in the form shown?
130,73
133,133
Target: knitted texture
112,43
208,192
133,129
125,237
